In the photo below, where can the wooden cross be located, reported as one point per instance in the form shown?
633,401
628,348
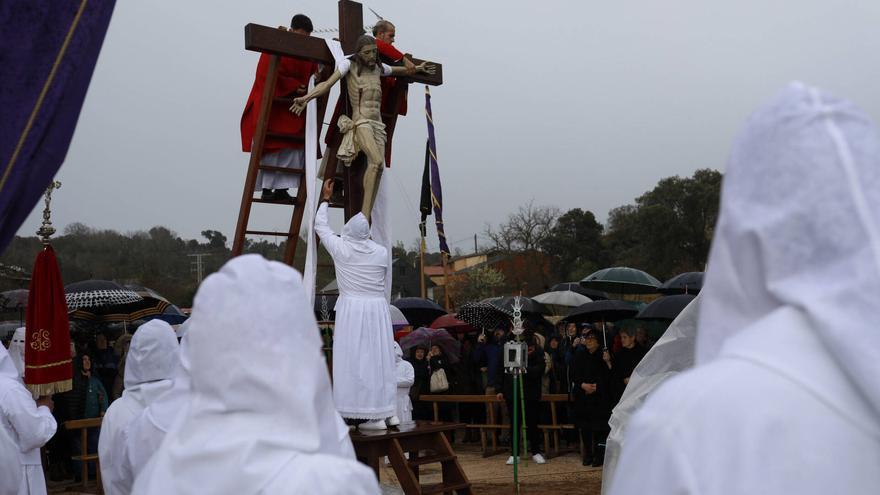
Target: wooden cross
278,43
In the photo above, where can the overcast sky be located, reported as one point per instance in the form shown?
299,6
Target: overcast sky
568,103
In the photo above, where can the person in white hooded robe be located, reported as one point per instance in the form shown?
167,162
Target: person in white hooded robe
364,386
259,418
27,422
149,367
10,464
785,396
16,350
406,376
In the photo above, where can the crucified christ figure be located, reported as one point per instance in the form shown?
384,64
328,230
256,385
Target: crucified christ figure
364,130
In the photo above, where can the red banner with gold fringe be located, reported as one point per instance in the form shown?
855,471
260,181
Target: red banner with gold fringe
48,368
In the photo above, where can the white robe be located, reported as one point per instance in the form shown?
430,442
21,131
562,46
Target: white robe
406,376
29,426
16,350
363,356
285,158
260,416
149,366
785,396
10,464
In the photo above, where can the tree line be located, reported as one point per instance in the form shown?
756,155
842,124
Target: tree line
667,230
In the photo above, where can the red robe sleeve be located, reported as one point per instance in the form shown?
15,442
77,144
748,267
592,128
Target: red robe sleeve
292,73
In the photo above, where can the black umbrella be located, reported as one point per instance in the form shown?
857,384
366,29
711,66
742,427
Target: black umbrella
91,294
14,299
419,312
529,307
601,311
607,310
577,287
666,307
621,280
684,283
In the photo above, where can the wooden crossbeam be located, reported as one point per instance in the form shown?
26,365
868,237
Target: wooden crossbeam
267,39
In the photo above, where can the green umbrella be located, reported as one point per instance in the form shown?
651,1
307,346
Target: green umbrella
622,280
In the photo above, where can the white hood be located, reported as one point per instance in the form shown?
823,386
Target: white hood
152,355
260,391
799,228
16,350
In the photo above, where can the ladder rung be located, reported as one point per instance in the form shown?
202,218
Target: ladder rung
266,232
275,202
283,170
336,205
285,137
430,459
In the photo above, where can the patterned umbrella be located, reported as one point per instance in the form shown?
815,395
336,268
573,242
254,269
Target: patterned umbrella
92,294
482,315
622,280
102,306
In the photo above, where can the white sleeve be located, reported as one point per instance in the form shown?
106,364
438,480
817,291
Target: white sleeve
343,66
332,243
386,70
33,425
10,464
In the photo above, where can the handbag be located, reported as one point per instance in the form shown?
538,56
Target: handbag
439,383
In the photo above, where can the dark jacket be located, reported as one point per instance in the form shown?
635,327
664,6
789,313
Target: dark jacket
422,382
488,355
531,380
624,362
591,410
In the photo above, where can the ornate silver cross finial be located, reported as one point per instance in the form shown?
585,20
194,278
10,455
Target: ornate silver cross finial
517,317
46,229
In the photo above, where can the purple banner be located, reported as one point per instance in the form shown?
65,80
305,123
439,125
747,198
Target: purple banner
48,52
436,189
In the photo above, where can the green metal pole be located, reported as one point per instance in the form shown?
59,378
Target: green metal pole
522,398
515,430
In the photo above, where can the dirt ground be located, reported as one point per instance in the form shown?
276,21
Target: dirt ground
491,476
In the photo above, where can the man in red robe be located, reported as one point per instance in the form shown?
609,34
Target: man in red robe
385,32
285,137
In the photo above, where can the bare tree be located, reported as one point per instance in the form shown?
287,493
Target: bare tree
525,230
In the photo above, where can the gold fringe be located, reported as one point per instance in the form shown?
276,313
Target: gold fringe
41,389
50,365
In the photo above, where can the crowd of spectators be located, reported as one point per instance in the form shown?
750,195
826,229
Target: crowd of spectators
590,364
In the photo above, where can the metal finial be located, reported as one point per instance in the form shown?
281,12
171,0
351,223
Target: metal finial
46,229
517,316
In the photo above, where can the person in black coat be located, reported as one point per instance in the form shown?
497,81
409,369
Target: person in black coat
421,384
532,395
625,361
591,391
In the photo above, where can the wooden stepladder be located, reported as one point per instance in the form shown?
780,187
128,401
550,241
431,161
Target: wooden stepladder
278,43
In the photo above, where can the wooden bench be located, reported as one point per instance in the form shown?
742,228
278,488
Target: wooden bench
84,457
493,427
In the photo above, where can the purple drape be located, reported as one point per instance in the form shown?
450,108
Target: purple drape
32,34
